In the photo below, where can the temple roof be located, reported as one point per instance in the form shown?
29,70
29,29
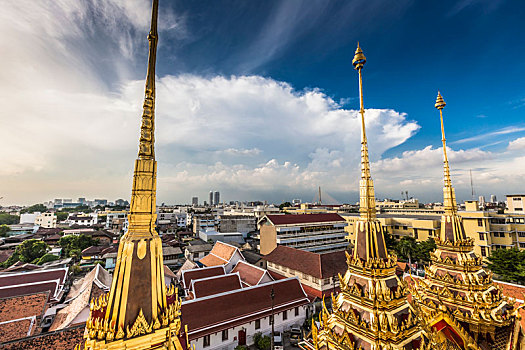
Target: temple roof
317,265
291,219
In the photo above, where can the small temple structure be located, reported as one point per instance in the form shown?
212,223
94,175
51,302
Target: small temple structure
139,312
458,303
371,311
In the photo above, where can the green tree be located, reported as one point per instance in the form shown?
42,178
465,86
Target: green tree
4,229
61,216
285,204
47,258
31,250
35,207
72,245
406,248
8,219
423,250
508,264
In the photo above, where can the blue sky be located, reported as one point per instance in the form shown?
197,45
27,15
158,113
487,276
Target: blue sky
258,99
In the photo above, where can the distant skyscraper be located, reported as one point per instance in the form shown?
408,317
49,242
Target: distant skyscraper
481,200
493,198
216,198
195,201
211,198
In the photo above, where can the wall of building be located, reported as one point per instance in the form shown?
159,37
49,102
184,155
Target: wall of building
281,325
268,238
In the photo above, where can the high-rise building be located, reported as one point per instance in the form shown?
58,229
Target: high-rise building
493,198
139,312
372,311
211,198
216,198
481,200
195,201
457,298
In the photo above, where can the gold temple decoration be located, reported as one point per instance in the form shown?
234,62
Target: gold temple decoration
371,311
457,296
139,312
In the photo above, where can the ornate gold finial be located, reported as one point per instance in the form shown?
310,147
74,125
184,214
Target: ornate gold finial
440,102
359,58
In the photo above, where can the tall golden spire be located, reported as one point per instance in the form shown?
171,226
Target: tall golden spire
449,196
369,242
367,205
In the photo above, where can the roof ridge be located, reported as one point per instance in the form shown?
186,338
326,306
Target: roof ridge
244,289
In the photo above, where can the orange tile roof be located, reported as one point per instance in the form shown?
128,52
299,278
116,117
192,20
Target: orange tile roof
223,250
212,260
27,310
515,291
65,339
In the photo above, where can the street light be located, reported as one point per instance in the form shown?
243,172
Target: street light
272,296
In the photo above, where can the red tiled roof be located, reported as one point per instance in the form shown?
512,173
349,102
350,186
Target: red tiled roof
215,285
515,291
20,315
65,339
220,254
304,218
238,307
250,274
52,287
313,264
195,274
33,276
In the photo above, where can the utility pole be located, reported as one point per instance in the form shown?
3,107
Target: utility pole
272,296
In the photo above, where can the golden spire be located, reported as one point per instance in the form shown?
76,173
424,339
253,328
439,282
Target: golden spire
369,241
449,197
367,206
138,288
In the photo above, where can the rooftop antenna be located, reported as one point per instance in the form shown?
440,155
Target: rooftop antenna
320,199
471,184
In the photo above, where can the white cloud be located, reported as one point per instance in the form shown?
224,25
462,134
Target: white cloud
71,106
517,144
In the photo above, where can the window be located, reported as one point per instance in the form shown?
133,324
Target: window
297,307
396,227
480,222
516,199
522,245
521,234
285,314
415,233
257,324
206,341
481,236
483,251
195,255
405,228
225,335
518,209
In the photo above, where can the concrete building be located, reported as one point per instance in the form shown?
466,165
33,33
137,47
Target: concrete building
216,198
515,203
310,232
46,220
204,222
29,218
210,198
194,201
237,222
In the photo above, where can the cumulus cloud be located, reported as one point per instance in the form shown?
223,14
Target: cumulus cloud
517,144
72,101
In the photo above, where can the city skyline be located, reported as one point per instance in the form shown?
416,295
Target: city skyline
257,103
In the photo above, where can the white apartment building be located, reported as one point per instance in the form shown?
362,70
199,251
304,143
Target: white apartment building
46,220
